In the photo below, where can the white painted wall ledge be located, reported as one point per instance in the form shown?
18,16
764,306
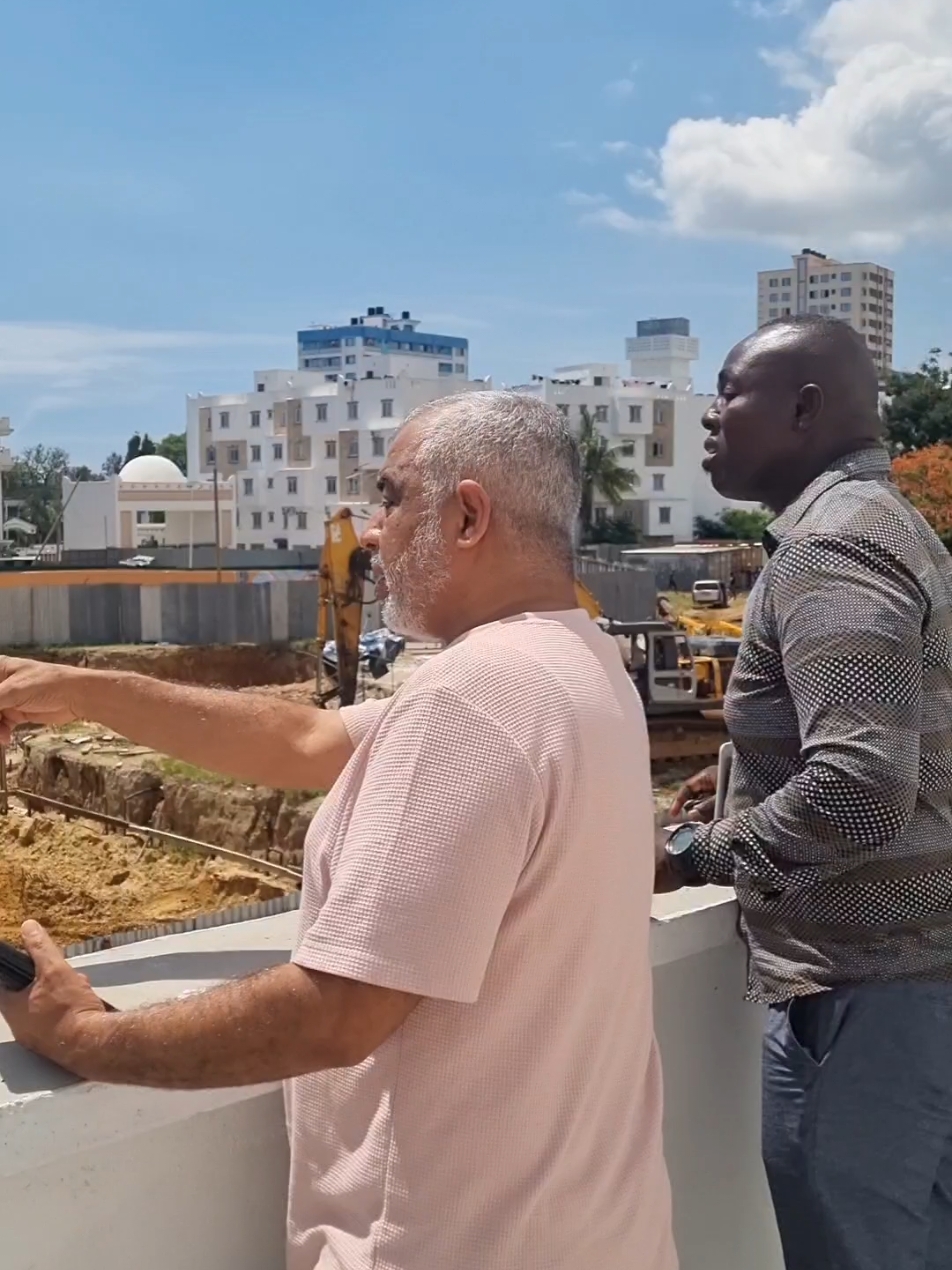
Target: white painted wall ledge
103,1178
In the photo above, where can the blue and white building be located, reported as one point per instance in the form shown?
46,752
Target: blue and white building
376,345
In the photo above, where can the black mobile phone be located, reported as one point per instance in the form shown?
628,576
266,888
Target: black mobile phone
16,968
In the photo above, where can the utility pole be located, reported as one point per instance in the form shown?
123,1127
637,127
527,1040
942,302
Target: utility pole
217,520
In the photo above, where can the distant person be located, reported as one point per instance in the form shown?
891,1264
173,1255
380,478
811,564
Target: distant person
838,835
466,1020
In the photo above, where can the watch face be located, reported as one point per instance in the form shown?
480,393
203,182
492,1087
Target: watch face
681,839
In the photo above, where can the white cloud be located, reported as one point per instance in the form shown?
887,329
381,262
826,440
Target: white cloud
866,163
56,367
617,147
578,198
616,218
620,88
771,8
793,70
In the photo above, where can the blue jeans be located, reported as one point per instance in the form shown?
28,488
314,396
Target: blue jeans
857,1127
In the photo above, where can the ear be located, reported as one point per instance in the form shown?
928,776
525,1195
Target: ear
475,512
809,406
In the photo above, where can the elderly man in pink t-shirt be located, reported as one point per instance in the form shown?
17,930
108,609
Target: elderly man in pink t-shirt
465,1024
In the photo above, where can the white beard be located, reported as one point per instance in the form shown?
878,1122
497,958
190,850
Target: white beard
415,579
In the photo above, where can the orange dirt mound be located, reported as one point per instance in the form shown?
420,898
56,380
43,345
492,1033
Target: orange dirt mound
80,881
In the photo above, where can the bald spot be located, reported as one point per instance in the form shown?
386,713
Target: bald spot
831,355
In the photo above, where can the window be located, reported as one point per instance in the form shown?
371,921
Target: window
260,387
210,455
270,482
255,520
302,520
774,297
657,482
150,518
321,412
256,454
278,450
445,368
664,515
386,408
601,414
634,414
813,295
234,454
270,517
814,277
256,418
824,277
353,484
249,487
846,277
378,447
224,419
353,408
774,313
786,313
353,448
208,422
237,519
330,484
349,342
846,291
627,449
292,484
774,282
814,308
350,360
657,449
785,297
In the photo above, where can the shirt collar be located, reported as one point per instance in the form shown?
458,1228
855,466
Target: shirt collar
861,465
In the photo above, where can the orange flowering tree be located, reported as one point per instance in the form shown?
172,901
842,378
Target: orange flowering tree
925,477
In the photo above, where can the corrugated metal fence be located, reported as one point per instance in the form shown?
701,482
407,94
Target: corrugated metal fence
171,613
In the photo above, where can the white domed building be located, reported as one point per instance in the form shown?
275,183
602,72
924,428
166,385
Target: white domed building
151,503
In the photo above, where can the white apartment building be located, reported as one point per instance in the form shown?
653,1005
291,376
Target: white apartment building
654,423
303,442
6,462
861,293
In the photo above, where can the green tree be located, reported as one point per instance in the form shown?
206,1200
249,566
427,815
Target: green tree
112,465
603,474
173,447
918,410
147,445
734,524
133,448
34,484
617,530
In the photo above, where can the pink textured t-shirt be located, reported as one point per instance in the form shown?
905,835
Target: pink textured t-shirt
490,847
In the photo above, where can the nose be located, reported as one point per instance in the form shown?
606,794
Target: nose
370,538
711,418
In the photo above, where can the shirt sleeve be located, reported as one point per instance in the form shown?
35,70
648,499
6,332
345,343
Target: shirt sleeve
447,816
848,619
359,720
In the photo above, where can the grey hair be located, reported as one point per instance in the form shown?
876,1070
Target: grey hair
520,450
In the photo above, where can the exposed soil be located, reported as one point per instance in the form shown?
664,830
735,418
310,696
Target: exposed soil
227,666
80,881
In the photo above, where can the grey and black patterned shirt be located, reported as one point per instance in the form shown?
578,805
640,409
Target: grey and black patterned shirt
838,836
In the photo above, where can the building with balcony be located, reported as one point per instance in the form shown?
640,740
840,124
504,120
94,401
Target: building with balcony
862,294
652,417
149,504
304,442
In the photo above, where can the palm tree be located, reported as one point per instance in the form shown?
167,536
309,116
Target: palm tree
602,472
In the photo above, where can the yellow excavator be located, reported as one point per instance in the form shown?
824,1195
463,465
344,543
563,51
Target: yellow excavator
345,567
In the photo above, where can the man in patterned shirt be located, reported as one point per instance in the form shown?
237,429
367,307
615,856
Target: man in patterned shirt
838,833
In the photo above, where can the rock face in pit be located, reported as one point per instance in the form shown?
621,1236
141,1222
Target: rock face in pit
101,772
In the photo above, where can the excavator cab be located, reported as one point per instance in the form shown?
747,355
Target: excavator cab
345,566
660,664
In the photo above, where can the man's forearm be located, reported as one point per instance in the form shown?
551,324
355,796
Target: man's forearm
250,737
278,1024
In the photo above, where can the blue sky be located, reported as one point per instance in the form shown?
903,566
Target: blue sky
185,184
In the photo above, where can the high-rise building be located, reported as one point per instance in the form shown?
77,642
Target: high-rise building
860,293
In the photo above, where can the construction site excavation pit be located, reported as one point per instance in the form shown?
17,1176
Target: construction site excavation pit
83,882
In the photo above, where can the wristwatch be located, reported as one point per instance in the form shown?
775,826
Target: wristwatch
678,850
